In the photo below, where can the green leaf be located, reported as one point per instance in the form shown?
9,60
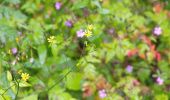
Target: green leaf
65,96
80,4
42,53
73,81
161,97
24,84
31,97
104,11
9,76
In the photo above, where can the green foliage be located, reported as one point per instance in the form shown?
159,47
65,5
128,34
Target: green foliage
84,49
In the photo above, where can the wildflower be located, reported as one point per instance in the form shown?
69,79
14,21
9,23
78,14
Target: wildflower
129,68
58,5
52,40
88,33
102,93
90,27
68,23
157,31
31,60
159,81
14,51
25,76
80,33
17,39
9,51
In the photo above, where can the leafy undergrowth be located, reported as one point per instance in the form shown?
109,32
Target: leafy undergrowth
84,50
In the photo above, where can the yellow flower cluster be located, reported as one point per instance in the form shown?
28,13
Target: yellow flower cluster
52,40
24,76
88,31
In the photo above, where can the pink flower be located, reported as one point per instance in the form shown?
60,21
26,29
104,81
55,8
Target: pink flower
129,68
80,33
58,5
69,23
14,51
157,31
102,93
159,81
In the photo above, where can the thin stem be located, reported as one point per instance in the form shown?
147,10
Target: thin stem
60,80
7,89
17,88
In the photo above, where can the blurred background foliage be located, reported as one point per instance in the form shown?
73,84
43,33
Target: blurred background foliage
124,59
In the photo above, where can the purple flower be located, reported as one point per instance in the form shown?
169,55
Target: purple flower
129,68
102,93
19,33
159,81
14,51
157,31
58,5
80,33
68,23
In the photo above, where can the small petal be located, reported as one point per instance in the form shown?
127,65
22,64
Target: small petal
129,68
80,33
58,5
102,93
157,31
159,81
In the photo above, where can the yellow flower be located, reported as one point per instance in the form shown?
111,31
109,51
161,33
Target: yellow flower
25,76
9,51
90,27
17,39
52,40
88,33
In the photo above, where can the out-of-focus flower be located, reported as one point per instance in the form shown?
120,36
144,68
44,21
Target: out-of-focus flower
159,81
31,60
80,33
25,76
52,40
19,33
102,93
88,33
90,27
129,68
14,51
68,23
58,5
111,31
157,31
14,62
17,39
